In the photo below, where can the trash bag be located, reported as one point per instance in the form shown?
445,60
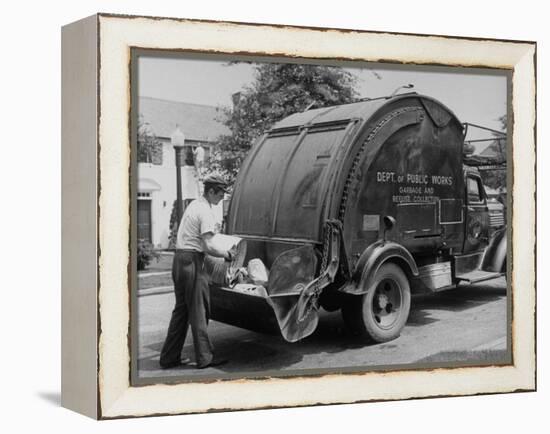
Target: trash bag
257,272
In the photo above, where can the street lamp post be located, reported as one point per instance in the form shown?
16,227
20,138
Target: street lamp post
178,142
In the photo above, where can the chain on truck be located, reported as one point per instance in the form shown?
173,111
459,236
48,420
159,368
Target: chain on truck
353,208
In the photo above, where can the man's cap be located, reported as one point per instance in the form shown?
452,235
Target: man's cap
217,180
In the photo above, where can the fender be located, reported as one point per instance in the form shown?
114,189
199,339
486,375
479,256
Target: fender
494,258
371,260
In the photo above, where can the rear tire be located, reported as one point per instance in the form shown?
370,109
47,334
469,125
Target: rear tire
380,314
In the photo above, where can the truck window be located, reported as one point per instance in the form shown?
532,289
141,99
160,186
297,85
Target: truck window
474,191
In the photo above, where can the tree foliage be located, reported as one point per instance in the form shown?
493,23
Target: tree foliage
499,146
149,147
497,178
278,90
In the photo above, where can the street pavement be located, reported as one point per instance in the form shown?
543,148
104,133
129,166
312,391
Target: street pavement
466,325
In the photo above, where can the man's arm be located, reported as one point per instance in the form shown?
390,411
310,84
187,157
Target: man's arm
212,250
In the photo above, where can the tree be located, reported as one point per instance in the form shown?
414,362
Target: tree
497,178
277,91
149,149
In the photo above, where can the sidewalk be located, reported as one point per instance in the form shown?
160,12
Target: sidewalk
157,277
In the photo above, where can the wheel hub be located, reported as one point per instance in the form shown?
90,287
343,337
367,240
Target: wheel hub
382,301
386,303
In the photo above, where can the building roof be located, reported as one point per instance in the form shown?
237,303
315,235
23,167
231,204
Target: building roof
198,122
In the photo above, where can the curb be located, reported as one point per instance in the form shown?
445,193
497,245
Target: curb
153,273
155,291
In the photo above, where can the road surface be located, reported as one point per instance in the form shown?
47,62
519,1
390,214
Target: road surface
463,325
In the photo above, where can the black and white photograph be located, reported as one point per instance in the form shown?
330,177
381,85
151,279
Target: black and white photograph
299,217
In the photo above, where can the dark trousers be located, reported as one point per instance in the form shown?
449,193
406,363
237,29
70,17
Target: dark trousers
192,308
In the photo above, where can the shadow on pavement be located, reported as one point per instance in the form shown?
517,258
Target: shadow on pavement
256,352
457,300
242,355
419,317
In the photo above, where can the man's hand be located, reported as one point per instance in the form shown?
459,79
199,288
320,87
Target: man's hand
230,254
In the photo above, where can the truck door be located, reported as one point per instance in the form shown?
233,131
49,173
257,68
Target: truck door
476,230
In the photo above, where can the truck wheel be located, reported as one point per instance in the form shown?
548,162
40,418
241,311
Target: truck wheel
380,314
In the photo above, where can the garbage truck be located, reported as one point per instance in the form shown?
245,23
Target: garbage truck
354,208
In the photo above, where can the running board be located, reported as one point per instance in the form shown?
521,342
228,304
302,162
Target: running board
478,276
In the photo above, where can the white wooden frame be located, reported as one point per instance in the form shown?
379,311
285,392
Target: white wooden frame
96,219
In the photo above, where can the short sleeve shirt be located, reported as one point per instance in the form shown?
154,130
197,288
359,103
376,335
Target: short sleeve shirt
198,219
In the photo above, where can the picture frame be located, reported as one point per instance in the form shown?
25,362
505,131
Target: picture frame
97,179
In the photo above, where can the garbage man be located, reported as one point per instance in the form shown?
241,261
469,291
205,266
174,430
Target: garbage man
195,236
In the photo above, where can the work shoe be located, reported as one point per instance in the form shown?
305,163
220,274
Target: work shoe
214,362
175,364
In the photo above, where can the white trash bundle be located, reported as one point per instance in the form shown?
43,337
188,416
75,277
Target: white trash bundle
257,272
